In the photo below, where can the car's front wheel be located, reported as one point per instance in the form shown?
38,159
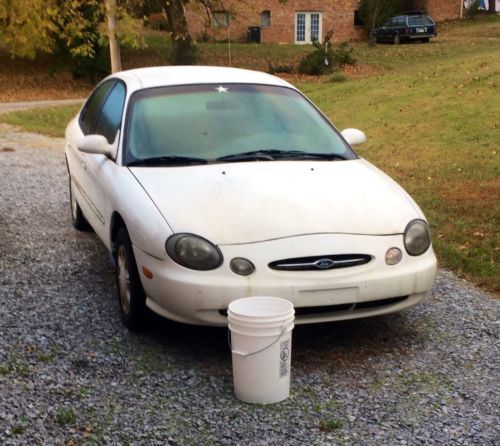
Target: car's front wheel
131,295
77,218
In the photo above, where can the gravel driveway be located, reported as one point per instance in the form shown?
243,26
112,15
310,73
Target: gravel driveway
71,374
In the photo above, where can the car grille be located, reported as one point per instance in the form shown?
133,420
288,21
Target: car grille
305,311
316,263
341,308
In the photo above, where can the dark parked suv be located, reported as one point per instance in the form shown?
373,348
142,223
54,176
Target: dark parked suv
407,27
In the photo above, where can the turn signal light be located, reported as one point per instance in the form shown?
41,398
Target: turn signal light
147,272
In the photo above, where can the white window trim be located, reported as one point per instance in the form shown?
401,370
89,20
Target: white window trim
262,24
308,27
225,18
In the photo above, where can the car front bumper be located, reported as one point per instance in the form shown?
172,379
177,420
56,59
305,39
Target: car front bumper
202,297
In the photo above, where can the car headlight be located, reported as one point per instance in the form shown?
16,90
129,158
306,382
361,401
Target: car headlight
417,237
193,252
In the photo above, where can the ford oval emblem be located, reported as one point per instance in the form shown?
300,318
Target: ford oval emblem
324,263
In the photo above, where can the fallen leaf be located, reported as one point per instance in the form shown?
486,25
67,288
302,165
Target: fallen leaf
478,234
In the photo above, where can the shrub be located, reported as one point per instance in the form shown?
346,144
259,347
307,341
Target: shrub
273,69
343,55
473,9
337,77
325,58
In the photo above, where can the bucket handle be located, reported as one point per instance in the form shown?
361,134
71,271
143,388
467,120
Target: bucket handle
258,351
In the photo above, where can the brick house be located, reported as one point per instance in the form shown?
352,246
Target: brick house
443,10
296,21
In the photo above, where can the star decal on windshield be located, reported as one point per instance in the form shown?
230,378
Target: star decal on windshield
222,89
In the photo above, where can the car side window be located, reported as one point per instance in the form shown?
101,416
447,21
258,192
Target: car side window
110,117
93,107
402,21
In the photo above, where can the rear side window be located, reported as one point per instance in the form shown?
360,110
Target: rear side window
110,118
93,107
420,20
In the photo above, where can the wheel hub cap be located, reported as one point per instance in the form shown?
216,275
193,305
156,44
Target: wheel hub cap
123,280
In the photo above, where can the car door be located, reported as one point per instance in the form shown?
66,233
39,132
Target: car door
100,168
385,31
77,160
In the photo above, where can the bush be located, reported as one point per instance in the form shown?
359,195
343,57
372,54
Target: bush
473,9
325,58
273,69
343,55
337,77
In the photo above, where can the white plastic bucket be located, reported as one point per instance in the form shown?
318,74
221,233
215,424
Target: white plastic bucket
261,346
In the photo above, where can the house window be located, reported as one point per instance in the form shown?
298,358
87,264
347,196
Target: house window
358,21
308,27
221,19
265,19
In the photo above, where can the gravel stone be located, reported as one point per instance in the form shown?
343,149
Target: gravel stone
70,373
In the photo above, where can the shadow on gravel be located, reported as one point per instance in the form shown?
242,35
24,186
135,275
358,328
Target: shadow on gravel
345,343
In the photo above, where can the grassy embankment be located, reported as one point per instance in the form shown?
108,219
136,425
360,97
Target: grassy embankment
432,116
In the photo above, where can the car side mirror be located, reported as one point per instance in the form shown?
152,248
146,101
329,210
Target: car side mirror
97,144
354,137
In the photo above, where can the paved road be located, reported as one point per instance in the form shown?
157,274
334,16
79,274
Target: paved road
6,107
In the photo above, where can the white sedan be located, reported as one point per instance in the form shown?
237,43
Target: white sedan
210,184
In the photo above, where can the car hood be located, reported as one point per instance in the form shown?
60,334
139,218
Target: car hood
255,201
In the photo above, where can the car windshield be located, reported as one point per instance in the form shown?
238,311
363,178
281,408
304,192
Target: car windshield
419,20
196,124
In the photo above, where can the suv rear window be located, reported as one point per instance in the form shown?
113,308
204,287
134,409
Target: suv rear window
419,20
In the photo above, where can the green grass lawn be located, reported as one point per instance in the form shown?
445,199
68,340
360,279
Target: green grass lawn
432,117
49,121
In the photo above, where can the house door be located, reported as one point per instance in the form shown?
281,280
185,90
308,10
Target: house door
308,27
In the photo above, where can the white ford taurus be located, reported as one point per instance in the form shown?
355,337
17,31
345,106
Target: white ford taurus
210,184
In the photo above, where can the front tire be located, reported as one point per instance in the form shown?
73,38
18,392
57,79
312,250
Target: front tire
131,295
77,218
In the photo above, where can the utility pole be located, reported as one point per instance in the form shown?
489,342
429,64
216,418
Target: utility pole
114,49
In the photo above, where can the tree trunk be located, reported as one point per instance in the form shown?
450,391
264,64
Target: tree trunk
183,47
114,49
492,6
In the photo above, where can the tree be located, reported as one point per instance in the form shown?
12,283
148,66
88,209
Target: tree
183,45
74,29
114,49
27,26
184,50
491,6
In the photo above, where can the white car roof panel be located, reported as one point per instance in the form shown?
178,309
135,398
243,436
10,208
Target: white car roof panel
187,75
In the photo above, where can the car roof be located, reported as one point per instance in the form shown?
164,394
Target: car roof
185,75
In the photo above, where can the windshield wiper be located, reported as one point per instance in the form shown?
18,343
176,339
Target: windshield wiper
321,156
171,160
254,155
274,154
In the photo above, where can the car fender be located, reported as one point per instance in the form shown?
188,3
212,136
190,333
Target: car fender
147,228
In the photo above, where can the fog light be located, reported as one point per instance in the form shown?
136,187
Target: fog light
393,256
241,266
